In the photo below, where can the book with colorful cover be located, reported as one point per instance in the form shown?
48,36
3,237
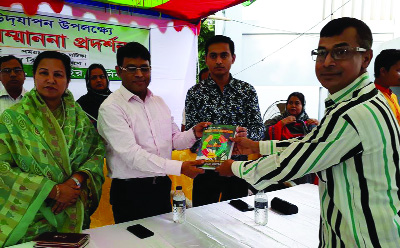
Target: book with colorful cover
216,146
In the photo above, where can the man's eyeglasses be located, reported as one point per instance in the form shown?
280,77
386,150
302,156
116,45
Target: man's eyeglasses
17,70
337,53
133,69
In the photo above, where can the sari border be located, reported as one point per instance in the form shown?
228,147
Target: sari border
20,230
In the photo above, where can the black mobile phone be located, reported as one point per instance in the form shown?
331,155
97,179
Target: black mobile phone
241,205
140,231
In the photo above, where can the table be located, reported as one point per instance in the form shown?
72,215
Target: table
221,225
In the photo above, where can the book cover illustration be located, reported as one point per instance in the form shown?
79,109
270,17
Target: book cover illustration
216,147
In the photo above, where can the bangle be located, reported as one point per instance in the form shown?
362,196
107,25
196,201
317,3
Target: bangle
57,192
76,181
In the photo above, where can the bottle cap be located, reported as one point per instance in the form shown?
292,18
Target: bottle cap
178,187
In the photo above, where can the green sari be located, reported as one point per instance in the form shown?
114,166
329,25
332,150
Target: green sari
37,151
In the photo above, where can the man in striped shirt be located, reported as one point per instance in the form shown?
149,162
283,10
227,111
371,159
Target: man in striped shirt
354,150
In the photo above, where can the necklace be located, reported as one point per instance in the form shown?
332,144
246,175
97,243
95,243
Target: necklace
63,110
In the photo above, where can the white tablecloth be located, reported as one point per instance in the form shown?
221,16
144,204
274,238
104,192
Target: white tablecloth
221,225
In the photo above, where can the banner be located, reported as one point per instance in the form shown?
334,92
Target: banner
85,42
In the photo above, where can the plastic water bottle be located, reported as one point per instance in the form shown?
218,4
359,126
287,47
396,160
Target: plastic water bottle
261,208
179,205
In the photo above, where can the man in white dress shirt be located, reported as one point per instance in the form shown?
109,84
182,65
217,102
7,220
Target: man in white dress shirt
12,76
140,135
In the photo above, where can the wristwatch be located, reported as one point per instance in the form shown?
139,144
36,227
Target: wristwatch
76,181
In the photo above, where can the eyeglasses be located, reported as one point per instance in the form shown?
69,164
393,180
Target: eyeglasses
337,53
17,70
133,69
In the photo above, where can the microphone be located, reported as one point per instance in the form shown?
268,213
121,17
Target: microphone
283,206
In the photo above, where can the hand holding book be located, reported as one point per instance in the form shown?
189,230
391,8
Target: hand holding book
240,132
225,168
246,146
198,129
190,168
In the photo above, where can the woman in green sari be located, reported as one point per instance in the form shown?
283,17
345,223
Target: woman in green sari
51,158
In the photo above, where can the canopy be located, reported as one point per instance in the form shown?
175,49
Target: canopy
187,10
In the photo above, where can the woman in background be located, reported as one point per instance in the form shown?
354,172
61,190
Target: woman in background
294,122
51,158
97,85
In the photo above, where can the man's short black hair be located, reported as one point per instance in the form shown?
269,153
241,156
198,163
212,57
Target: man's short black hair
386,59
337,26
220,39
132,50
10,57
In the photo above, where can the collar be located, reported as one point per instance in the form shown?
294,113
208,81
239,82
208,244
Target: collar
210,82
383,89
127,95
347,92
3,92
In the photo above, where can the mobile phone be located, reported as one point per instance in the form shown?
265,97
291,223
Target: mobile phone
140,231
241,205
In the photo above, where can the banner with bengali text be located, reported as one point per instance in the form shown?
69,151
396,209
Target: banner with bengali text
85,42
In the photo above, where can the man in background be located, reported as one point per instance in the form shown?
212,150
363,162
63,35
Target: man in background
387,74
12,76
222,99
203,74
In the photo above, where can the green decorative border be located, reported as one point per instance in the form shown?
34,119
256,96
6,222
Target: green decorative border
77,73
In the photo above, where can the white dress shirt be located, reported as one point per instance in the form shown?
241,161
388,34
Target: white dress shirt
140,136
6,101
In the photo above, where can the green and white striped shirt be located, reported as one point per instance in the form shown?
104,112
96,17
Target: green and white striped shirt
355,153
6,101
